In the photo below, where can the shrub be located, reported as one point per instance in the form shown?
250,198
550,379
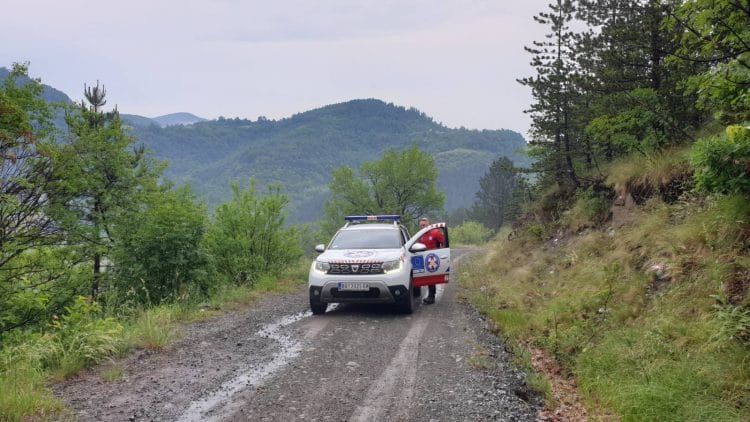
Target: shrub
248,239
723,162
471,233
158,257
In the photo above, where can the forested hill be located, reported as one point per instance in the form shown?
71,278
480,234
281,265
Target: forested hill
301,151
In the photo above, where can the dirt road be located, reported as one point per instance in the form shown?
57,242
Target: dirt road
277,362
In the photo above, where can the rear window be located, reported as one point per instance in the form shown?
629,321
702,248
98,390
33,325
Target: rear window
367,239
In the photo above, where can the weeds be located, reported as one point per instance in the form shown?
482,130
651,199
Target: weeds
644,354
114,373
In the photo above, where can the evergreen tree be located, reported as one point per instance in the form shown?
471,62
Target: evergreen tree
553,132
493,200
105,176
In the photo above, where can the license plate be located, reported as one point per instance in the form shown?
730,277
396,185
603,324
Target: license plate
351,286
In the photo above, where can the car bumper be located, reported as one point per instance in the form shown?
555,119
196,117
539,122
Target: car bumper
383,288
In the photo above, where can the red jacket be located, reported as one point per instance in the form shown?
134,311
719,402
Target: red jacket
433,239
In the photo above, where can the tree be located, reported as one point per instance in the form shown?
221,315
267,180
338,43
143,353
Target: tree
717,35
401,182
104,175
495,194
30,261
553,90
638,101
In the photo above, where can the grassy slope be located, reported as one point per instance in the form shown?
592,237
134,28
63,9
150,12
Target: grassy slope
645,316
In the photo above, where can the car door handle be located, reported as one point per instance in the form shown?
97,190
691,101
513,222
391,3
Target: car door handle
444,257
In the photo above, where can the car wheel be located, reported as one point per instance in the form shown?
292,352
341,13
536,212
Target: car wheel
407,306
318,307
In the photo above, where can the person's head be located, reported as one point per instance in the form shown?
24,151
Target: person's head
424,222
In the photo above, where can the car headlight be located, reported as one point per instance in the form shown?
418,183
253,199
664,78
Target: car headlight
322,266
389,266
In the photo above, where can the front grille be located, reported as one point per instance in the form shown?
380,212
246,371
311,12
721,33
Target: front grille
354,269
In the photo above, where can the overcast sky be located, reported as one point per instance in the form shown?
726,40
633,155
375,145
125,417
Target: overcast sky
455,60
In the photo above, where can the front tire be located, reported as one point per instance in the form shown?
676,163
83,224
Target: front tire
317,307
407,306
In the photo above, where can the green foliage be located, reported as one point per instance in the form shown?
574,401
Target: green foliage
591,208
103,179
114,373
536,231
723,163
400,182
718,33
25,202
81,338
155,328
301,151
247,238
157,256
636,126
496,197
734,323
22,383
641,346
470,233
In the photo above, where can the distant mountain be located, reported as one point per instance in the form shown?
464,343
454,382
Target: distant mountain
136,120
49,94
178,119
301,151
162,121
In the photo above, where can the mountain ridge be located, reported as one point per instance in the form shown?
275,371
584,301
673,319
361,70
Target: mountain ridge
300,152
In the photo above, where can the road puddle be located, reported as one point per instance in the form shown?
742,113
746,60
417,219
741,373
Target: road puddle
218,404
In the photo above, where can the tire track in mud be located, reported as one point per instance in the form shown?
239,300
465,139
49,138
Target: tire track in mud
219,404
396,381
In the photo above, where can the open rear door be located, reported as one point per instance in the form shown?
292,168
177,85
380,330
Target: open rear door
432,266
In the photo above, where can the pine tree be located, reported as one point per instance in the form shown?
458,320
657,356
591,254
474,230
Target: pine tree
105,175
553,90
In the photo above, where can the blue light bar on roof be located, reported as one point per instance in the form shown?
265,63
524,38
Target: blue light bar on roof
352,218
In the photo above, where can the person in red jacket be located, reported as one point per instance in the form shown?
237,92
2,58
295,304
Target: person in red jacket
433,239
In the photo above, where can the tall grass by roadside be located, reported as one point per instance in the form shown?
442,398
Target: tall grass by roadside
85,336
648,317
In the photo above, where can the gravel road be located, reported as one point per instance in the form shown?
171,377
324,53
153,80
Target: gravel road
274,361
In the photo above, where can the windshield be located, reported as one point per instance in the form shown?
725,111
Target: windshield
367,239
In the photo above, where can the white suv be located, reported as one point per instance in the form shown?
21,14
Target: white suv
372,259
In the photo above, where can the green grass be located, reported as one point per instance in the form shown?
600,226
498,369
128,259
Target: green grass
156,328
639,349
114,373
84,337
23,393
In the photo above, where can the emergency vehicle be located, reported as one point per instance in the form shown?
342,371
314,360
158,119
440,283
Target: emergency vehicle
372,259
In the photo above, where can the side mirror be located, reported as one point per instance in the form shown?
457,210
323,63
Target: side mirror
320,248
418,247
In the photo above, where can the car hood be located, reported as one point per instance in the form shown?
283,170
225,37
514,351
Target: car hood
360,255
